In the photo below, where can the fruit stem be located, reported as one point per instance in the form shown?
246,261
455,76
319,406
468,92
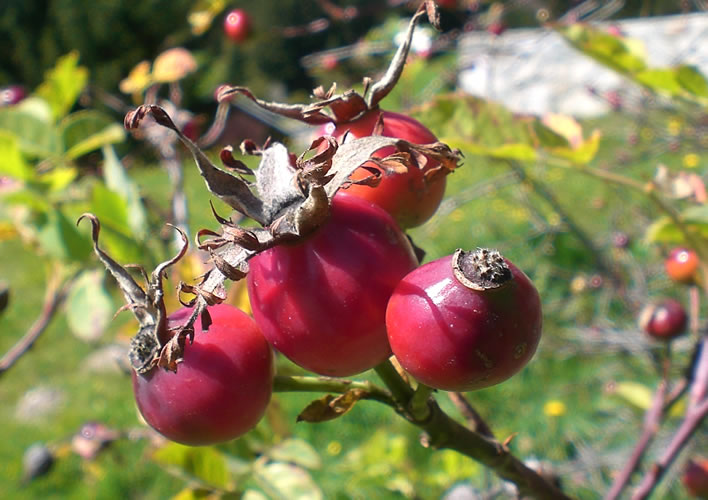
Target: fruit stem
418,405
402,392
285,383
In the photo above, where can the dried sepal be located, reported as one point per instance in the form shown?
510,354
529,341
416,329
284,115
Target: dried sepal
234,191
148,346
481,269
350,104
329,407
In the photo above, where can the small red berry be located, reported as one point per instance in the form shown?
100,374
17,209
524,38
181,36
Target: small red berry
663,320
464,322
496,28
681,265
330,62
695,477
11,95
237,25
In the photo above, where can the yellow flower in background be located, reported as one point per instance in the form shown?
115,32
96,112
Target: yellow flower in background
674,127
554,408
334,448
690,160
457,215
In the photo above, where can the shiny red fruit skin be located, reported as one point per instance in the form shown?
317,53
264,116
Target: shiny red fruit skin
237,25
664,320
405,196
695,477
682,265
457,339
322,302
220,390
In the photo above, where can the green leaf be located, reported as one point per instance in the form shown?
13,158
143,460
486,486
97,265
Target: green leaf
36,137
636,394
116,234
89,307
57,179
520,152
89,130
661,80
296,451
118,180
663,230
330,407
204,463
59,237
620,54
692,80
287,481
63,84
583,154
11,161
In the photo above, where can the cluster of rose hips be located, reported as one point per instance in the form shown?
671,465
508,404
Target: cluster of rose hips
338,300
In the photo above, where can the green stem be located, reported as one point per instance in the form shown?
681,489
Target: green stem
284,383
402,392
418,404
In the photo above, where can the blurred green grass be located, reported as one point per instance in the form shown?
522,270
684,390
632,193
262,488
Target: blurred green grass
486,205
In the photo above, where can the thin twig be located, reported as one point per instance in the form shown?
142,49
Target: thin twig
695,414
54,296
652,422
473,418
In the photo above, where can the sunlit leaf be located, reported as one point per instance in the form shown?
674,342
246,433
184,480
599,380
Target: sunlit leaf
173,65
118,181
661,80
615,52
287,481
12,163
59,237
89,130
692,80
137,80
89,307
63,84
296,451
204,463
636,394
116,233
35,137
202,15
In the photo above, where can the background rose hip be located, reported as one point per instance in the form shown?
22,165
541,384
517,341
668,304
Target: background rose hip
322,302
682,265
695,477
220,390
452,337
663,320
407,197
237,25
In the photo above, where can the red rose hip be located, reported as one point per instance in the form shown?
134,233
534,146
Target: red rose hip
220,390
409,197
682,265
663,320
237,25
464,322
322,302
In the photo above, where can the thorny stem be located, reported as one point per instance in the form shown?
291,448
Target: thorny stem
53,298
